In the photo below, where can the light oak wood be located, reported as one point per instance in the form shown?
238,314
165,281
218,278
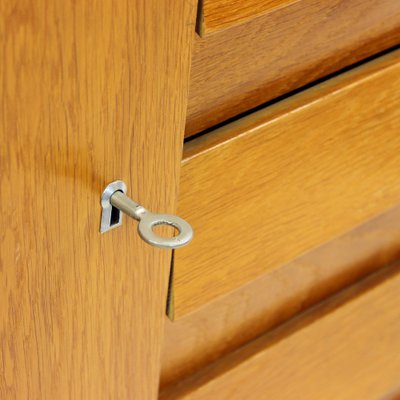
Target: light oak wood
91,92
246,65
231,321
220,14
347,348
264,190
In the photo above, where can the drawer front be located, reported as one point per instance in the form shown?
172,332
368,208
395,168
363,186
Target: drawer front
347,348
269,187
224,325
274,47
216,15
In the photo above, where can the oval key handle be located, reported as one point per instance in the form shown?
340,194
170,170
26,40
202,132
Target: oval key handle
114,196
151,220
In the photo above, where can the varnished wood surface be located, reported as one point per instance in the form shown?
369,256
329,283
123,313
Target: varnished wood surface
90,93
220,14
264,190
347,348
245,65
242,315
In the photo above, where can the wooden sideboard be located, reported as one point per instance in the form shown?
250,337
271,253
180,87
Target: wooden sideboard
272,127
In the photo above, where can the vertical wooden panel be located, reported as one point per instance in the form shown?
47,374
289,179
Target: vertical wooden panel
91,92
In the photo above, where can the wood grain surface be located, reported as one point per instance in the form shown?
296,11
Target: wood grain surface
246,65
265,189
231,321
220,14
346,348
90,93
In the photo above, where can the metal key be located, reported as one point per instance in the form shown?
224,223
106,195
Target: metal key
114,200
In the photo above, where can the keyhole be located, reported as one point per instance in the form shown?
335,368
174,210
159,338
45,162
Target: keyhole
115,216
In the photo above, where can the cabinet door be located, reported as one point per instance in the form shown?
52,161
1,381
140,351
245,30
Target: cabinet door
91,92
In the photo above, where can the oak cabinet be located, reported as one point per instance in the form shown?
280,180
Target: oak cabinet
288,174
